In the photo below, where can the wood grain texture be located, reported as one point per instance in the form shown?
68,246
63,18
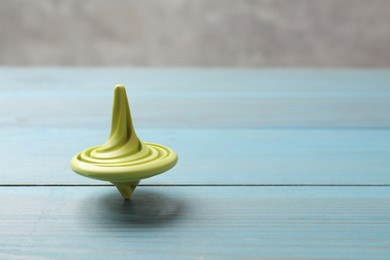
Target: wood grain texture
230,128
195,222
213,98
210,156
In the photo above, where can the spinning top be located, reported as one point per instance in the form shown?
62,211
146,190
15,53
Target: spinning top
124,159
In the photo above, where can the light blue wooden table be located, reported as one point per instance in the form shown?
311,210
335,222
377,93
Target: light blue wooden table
286,164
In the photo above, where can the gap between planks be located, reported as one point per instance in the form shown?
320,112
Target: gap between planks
200,185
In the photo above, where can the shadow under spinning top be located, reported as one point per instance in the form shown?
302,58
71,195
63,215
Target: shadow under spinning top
124,159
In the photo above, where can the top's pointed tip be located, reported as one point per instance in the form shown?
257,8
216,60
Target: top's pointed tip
119,87
119,91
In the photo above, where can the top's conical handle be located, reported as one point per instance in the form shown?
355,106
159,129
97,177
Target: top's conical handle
123,140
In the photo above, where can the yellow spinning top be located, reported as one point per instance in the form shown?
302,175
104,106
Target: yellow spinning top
124,159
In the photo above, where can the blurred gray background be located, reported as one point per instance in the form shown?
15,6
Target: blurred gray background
319,33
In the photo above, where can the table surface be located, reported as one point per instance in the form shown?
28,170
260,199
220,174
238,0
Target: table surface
273,163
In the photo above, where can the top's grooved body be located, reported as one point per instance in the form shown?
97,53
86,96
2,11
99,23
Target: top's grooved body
124,158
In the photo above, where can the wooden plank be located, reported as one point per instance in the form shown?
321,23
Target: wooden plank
211,156
219,98
51,79
195,222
